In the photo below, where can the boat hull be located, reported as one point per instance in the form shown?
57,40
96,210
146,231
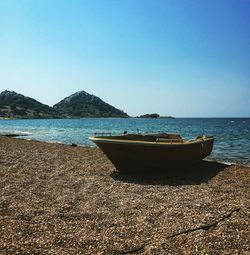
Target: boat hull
130,156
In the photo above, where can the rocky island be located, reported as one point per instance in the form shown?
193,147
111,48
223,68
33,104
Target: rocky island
154,116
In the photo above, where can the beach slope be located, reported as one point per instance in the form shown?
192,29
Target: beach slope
59,199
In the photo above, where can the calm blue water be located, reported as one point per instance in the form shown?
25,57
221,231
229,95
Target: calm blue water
232,142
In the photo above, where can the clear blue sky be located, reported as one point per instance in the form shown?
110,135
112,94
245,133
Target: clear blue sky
186,58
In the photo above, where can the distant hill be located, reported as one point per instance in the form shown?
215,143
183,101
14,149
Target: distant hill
14,105
82,104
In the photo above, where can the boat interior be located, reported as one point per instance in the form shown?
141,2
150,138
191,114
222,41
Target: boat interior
163,137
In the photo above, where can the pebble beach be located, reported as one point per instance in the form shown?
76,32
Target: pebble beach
62,199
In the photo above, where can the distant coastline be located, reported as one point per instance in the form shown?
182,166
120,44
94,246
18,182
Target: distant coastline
80,104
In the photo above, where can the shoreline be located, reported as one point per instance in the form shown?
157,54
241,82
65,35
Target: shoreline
58,199
23,134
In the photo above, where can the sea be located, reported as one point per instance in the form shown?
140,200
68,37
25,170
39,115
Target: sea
232,135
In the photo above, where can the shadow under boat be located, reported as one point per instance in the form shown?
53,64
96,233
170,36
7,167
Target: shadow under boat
185,175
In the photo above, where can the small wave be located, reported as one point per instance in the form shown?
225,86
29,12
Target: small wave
230,162
220,161
54,141
23,133
60,130
15,133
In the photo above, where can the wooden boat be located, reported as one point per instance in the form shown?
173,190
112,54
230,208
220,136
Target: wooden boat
138,152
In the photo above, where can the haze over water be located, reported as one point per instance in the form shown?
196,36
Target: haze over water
232,135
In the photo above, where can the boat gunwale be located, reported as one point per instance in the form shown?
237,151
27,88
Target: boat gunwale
153,143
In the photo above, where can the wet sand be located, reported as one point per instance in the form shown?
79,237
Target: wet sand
58,199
